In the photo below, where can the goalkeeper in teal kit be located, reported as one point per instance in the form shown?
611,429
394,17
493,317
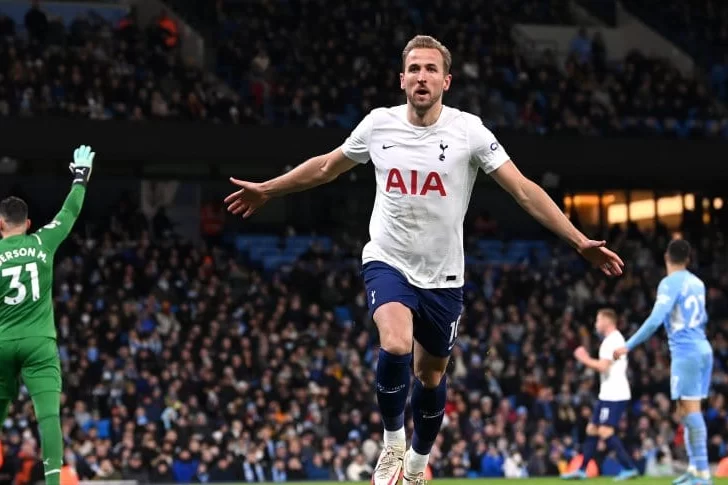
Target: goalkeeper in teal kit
28,349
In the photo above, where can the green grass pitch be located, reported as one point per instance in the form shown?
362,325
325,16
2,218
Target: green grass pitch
537,481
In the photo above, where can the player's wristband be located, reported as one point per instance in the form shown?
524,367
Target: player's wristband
81,175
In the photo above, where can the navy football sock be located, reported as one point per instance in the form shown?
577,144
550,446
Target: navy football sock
393,380
428,411
590,447
622,456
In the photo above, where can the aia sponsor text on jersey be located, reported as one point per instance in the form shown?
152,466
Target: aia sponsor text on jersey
413,182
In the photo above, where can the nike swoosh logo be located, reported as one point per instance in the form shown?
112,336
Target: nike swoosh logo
384,147
433,416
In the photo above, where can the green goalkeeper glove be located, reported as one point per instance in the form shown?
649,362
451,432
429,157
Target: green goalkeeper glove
83,163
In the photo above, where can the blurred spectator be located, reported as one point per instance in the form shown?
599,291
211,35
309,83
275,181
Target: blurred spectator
7,26
36,22
581,47
599,54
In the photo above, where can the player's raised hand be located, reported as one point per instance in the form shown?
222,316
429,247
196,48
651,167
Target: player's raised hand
620,352
599,256
82,164
246,200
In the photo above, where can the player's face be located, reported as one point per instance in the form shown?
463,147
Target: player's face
424,78
600,324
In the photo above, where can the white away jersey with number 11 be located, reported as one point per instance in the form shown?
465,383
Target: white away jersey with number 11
425,176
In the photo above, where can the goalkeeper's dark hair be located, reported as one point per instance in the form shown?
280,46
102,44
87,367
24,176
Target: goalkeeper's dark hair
14,211
678,251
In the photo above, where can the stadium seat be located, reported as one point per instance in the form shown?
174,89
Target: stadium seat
245,242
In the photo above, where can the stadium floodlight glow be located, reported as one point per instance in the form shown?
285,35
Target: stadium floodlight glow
641,210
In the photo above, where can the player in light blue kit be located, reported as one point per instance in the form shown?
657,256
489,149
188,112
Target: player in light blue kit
680,306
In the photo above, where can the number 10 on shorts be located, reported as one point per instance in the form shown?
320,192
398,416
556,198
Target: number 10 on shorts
453,332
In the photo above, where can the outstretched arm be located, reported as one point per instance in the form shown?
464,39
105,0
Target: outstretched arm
541,207
538,204
311,173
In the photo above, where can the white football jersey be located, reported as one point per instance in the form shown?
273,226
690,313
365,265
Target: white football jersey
614,384
425,176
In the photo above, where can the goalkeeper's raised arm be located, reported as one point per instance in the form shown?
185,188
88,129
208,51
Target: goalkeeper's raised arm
55,232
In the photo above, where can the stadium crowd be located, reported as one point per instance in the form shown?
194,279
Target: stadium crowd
95,70
699,27
188,363
273,68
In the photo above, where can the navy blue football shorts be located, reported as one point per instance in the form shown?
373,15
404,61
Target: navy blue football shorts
436,312
608,413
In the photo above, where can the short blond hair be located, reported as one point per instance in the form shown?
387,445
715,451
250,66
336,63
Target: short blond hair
609,314
428,42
